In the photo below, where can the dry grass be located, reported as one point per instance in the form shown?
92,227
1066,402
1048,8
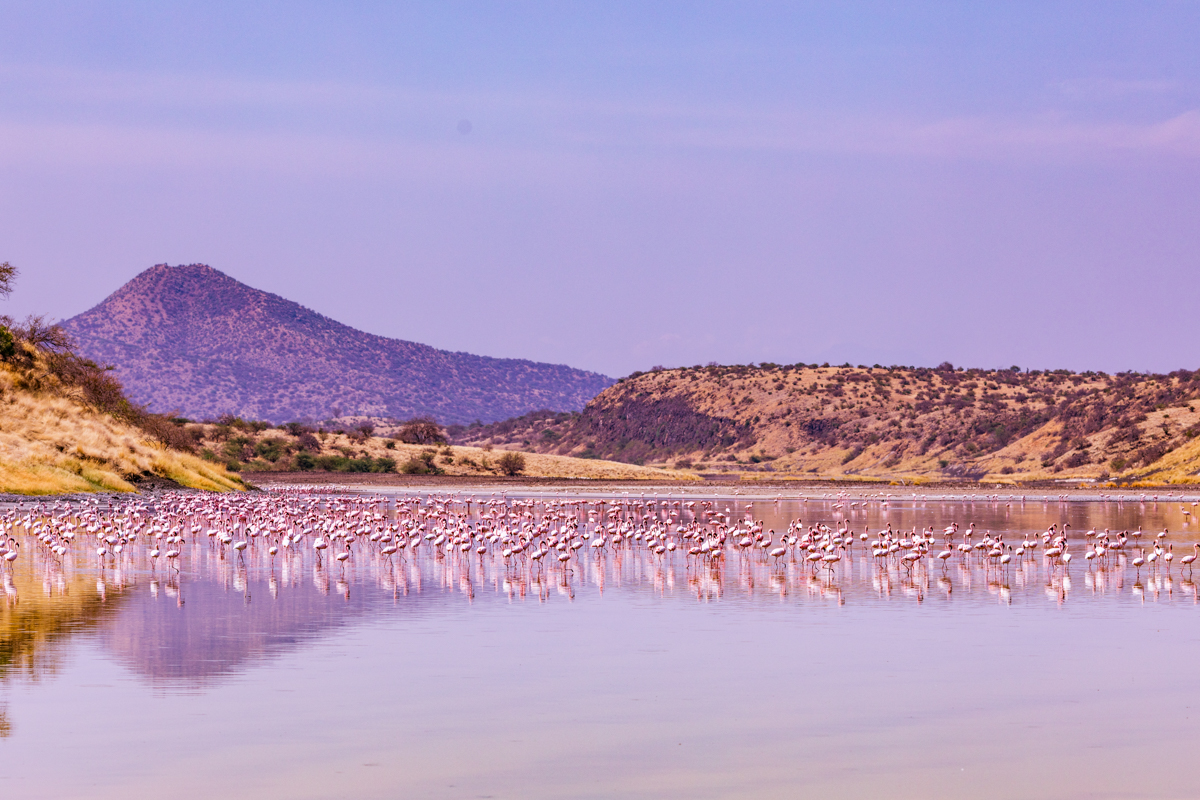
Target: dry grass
51,444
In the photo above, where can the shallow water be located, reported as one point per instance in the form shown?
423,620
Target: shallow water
621,674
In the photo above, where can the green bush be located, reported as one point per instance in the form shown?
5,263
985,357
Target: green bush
414,466
271,448
333,463
8,345
511,463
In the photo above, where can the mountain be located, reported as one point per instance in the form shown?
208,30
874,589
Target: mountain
895,422
193,340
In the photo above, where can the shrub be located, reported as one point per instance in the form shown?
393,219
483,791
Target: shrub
8,345
271,448
333,463
421,464
414,466
1077,459
238,447
306,441
421,430
511,463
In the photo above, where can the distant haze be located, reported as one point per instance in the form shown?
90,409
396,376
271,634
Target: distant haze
619,185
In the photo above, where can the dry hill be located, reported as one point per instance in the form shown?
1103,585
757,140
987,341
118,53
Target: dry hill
192,340
65,425
836,422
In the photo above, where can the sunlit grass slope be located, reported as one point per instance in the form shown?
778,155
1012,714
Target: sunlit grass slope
51,442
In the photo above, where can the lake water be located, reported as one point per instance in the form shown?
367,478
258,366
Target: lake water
621,673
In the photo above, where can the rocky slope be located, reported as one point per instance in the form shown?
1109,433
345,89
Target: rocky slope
945,423
192,340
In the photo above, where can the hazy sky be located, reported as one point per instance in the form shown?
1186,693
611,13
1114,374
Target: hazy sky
618,185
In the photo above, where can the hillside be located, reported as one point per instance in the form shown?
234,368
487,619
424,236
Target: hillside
893,423
66,427
192,340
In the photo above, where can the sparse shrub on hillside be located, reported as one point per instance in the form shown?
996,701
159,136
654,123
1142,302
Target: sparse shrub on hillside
1077,459
239,448
8,345
271,448
1152,452
307,441
511,463
421,430
422,464
166,430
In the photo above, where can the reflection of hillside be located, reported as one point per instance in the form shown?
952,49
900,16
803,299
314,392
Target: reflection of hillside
222,628
37,613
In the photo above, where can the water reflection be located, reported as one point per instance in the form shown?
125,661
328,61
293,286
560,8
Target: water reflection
210,585
43,605
549,646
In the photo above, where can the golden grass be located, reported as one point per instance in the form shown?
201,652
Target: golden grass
51,445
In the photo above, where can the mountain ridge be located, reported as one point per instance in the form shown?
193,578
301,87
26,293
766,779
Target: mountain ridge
193,340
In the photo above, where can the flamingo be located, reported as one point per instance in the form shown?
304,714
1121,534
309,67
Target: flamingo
1188,561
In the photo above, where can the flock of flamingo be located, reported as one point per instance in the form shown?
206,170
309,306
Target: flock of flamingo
529,541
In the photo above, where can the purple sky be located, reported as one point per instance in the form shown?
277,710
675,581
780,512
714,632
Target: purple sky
640,183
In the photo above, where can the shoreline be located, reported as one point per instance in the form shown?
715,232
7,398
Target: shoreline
717,489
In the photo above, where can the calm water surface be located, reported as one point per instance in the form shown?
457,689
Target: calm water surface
619,674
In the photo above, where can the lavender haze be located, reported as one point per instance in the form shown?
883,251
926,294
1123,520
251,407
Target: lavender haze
617,185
